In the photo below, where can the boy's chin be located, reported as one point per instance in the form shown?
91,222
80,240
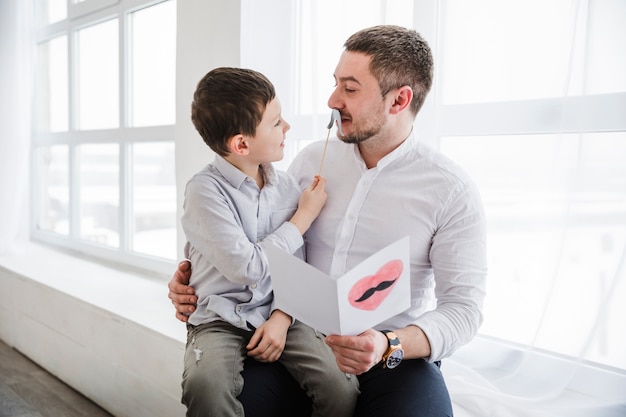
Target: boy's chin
279,157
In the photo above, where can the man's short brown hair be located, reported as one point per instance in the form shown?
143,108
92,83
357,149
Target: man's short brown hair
399,57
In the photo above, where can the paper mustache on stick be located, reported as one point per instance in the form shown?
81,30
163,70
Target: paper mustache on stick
335,116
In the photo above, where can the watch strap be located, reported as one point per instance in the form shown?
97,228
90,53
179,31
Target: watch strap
393,356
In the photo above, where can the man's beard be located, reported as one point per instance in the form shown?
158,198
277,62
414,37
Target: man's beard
367,130
360,135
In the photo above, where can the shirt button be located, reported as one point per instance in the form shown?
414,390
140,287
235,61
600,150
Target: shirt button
253,286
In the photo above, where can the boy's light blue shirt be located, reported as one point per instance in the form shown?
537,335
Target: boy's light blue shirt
227,221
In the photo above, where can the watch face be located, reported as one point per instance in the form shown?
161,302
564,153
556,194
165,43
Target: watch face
394,358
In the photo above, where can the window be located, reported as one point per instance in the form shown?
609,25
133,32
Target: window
529,98
104,120
529,113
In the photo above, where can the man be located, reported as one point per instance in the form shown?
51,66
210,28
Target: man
383,184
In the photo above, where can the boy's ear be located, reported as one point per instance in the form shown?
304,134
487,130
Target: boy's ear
238,145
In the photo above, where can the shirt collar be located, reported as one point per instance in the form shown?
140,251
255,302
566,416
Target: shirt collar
236,177
405,147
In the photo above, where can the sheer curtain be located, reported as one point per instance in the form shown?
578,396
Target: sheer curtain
553,342
530,98
15,121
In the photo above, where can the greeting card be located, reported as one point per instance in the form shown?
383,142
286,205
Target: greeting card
373,291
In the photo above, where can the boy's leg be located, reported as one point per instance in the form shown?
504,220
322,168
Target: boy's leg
415,388
212,377
313,365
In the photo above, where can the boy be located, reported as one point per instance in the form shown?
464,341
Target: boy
233,208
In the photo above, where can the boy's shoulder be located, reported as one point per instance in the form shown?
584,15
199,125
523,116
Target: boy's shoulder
208,176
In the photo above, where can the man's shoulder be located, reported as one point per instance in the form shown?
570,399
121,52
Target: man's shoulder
442,163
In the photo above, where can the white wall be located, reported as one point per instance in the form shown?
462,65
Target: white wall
208,37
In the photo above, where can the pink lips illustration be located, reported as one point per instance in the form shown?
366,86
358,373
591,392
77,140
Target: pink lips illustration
369,292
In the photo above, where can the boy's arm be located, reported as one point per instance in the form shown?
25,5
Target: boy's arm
183,296
311,202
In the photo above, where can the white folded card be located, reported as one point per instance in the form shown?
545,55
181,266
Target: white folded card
373,291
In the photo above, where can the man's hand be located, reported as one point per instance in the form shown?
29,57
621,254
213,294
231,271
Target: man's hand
358,354
268,341
182,295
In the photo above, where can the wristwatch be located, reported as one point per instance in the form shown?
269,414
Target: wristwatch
394,354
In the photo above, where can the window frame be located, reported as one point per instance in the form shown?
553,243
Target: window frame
80,16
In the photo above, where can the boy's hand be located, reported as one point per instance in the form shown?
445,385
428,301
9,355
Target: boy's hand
314,197
268,341
311,202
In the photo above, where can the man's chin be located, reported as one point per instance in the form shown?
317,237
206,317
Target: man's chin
352,139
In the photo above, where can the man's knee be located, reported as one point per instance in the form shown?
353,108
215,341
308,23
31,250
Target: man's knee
414,389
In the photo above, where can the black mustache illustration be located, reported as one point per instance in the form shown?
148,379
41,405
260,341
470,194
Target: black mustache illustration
380,287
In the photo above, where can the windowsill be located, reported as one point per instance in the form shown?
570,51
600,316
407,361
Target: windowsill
135,296
111,334
141,343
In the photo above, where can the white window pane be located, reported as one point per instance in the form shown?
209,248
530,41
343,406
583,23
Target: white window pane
52,86
607,53
53,179
98,76
154,199
494,50
153,65
99,193
556,215
53,10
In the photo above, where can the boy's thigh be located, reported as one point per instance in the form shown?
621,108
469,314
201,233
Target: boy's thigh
214,352
270,391
306,347
415,388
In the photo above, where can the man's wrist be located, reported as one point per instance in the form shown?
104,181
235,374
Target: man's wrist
394,353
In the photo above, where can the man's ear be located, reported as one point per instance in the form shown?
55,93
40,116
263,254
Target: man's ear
402,99
238,145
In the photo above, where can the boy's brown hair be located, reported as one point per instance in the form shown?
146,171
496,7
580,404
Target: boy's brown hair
227,102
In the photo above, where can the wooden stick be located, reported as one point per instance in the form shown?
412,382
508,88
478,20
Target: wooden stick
324,153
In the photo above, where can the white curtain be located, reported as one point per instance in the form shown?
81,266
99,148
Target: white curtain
547,288
15,120
558,288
